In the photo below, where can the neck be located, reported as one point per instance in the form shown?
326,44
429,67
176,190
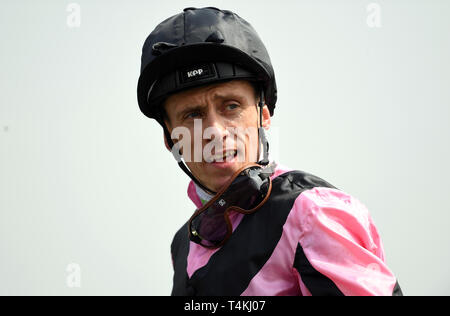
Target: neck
202,194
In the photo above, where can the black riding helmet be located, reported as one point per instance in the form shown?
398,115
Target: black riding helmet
198,47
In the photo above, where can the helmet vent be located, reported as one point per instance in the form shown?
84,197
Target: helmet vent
215,37
160,47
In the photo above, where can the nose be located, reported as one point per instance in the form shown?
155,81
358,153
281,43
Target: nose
215,125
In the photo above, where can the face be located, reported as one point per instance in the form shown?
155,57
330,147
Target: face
219,125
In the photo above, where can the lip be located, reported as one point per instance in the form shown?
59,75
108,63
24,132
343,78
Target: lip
226,163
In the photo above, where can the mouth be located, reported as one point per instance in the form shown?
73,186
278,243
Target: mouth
224,157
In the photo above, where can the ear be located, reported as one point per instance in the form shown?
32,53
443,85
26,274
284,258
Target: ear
265,117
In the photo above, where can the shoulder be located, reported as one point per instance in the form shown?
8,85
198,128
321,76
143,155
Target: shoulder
298,180
320,209
331,202
317,197
324,212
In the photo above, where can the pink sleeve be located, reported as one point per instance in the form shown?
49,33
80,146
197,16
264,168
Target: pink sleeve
339,250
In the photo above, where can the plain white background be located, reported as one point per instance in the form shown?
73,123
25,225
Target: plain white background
85,177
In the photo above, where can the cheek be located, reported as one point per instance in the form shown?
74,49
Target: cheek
248,118
251,116
196,169
245,136
184,138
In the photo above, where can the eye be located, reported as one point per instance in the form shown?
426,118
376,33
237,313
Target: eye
232,106
192,115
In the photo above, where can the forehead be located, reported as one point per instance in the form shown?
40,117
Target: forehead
236,89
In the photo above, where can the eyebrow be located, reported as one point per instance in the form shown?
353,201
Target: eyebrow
228,95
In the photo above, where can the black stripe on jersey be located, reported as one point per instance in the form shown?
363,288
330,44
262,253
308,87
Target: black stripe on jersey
317,283
180,250
397,291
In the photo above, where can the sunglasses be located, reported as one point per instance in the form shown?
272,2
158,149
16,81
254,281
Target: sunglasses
246,191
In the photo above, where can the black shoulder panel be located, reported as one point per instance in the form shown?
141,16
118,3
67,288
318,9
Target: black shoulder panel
180,250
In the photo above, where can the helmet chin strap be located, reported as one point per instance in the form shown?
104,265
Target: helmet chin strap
262,139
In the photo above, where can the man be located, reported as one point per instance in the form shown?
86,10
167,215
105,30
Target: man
259,228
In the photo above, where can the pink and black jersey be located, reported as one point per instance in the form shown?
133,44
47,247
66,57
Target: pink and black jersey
309,238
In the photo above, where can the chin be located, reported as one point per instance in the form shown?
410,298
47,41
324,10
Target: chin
219,182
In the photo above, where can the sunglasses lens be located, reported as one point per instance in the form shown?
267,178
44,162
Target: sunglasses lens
210,226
